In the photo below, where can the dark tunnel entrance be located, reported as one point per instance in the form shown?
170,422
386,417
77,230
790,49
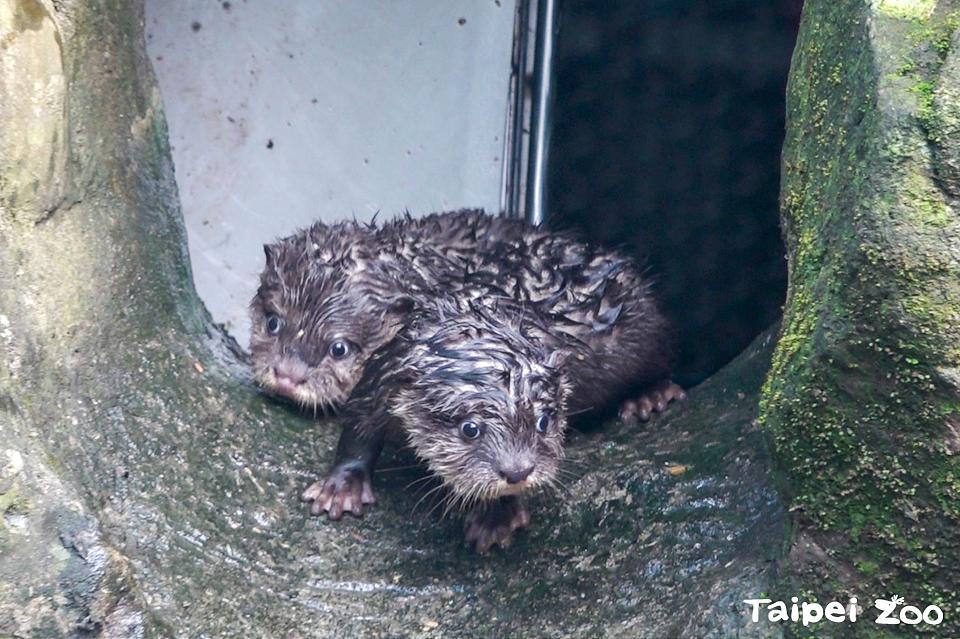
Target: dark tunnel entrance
667,132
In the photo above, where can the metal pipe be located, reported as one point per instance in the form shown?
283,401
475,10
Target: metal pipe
511,204
541,112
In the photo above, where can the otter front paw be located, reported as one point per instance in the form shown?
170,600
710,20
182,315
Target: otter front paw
345,490
493,524
653,400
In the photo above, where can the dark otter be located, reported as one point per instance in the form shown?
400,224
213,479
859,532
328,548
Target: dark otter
331,295
478,390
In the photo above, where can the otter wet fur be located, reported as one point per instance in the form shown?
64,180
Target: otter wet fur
333,294
480,393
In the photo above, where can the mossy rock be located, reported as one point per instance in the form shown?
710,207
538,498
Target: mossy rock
863,398
163,488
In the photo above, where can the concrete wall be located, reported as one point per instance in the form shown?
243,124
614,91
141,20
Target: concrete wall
282,113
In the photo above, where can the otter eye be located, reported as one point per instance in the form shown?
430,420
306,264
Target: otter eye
274,324
470,430
543,423
339,350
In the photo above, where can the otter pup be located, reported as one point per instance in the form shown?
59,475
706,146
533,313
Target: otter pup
479,392
331,295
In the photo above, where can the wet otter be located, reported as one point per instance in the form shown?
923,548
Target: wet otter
331,295
479,391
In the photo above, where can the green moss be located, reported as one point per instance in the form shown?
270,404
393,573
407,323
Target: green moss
907,9
856,395
924,202
926,113
942,37
908,67
946,486
13,501
928,311
934,35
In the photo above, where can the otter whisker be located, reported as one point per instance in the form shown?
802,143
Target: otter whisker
426,495
581,411
420,480
476,338
396,468
447,497
451,504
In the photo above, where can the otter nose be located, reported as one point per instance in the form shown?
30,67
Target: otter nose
290,375
516,476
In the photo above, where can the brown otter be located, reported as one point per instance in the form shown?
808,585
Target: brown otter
331,295
478,390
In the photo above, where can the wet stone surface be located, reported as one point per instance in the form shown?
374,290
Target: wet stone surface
155,493
191,483
662,530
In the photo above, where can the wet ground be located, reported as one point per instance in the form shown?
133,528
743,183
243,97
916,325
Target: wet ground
662,531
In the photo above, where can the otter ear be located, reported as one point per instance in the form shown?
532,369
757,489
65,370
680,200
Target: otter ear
270,252
401,306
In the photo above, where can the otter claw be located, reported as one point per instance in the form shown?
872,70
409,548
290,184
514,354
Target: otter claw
345,490
654,400
490,525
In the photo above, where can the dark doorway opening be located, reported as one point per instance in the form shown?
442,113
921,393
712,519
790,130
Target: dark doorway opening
667,132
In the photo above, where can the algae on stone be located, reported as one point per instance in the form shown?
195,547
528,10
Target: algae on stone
163,494
863,396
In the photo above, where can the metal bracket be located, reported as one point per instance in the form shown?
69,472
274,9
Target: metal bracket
529,114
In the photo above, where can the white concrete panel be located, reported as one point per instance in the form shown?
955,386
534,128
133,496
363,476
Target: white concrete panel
284,112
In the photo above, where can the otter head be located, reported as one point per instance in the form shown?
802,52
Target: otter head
484,405
313,323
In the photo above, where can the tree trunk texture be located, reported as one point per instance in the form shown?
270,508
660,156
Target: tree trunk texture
863,397
147,489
